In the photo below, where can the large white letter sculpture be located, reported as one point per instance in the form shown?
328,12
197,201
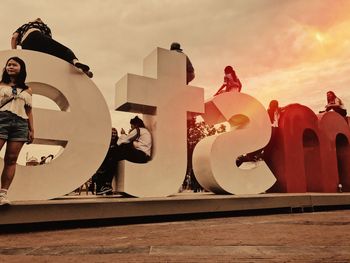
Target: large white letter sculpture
83,127
214,158
164,98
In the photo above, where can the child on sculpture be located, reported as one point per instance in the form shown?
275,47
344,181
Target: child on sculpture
16,119
231,82
274,112
36,35
134,147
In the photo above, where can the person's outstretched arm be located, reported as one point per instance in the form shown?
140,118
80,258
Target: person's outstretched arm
127,138
221,88
14,40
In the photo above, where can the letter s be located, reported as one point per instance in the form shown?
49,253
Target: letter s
214,158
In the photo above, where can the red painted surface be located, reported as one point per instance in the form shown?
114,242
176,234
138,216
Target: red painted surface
309,153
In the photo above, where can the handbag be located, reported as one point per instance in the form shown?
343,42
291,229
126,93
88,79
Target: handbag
11,99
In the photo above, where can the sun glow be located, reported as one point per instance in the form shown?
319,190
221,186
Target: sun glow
320,37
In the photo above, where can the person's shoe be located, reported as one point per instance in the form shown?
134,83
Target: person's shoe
82,66
4,200
105,190
91,188
89,74
240,160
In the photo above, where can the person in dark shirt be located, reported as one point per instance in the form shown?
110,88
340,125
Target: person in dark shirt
189,68
37,36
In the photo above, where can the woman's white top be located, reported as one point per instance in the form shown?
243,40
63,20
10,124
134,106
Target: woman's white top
339,102
142,143
231,84
276,117
15,106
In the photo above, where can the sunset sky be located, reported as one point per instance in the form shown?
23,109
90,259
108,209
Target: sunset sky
290,50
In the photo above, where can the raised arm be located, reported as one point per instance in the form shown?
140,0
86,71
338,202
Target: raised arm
221,88
14,40
127,138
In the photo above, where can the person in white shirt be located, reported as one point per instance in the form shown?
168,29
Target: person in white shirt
335,104
134,146
231,82
16,119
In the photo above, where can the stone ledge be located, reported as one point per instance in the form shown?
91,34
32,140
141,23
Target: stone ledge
98,208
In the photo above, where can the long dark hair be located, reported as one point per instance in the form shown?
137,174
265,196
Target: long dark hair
230,70
136,121
20,78
333,94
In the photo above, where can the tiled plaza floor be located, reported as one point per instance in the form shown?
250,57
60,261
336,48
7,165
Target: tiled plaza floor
299,237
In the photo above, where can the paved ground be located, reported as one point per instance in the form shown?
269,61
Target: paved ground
304,237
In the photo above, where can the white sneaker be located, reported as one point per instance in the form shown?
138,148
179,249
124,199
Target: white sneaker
105,190
4,200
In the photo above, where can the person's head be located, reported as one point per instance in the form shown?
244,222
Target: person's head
273,105
38,20
175,46
15,70
114,132
228,70
137,122
330,95
114,135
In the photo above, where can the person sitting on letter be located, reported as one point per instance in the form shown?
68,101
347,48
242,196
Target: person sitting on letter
231,82
334,103
189,67
134,147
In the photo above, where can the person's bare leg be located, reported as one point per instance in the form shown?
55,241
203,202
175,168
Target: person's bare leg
11,156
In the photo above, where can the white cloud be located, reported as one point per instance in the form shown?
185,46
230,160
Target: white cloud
305,84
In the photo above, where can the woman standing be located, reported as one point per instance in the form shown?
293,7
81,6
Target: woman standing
16,119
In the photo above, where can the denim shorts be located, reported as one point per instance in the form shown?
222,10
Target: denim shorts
13,127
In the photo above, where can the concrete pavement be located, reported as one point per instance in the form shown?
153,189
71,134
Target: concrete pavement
301,237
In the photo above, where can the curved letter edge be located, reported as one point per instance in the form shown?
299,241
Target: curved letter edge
83,127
